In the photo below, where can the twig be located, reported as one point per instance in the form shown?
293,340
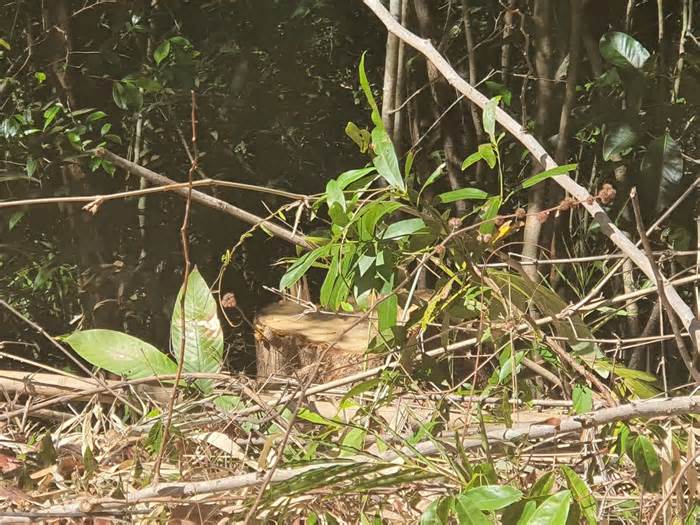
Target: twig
184,238
682,349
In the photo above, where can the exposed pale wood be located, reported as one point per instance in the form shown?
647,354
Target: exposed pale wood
290,339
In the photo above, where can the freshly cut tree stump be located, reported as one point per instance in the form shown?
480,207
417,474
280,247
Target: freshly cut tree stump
289,342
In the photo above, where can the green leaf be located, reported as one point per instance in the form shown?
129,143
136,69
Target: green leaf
96,115
361,137
553,511
468,513
316,419
437,513
490,211
347,178
334,194
543,486
371,214
581,494
403,228
490,118
583,399
127,96
471,159
618,138
297,270
204,338
623,51
435,175
353,442
385,161
40,77
162,51
364,84
463,194
488,153
14,219
559,170
527,513
50,115
647,463
31,166
499,89
120,353
662,174
4,43
492,497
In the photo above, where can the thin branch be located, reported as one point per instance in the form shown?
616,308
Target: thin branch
206,200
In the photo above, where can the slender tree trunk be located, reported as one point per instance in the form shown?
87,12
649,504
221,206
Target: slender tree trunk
391,61
542,21
400,93
443,96
508,27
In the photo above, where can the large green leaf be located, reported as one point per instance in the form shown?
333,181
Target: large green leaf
297,270
127,96
121,354
468,513
385,161
553,511
618,138
623,51
204,339
553,172
403,228
463,194
647,463
492,497
581,494
662,173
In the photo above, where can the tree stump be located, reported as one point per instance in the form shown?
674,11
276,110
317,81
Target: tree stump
289,342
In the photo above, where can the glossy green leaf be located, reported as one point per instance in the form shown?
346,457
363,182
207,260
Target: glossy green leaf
50,115
662,174
490,211
492,497
403,228
463,194
647,463
582,397
436,513
204,338
581,494
361,137
162,51
347,178
385,161
499,89
471,159
618,138
297,270
353,442
553,511
488,153
121,354
623,51
127,96
528,510
468,513
559,170
96,115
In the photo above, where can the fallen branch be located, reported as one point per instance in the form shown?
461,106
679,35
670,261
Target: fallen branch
204,199
424,46
668,407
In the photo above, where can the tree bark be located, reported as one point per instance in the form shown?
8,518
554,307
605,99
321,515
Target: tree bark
391,61
544,51
443,96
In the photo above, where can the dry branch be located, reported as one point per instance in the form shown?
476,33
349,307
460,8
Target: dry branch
669,407
204,199
424,46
